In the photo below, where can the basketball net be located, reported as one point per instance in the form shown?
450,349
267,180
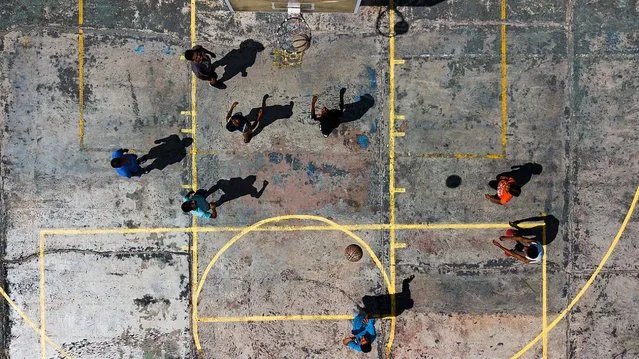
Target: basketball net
293,38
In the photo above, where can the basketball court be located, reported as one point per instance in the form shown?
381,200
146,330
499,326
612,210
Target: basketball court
101,267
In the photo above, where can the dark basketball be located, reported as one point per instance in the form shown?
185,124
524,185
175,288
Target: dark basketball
453,181
353,253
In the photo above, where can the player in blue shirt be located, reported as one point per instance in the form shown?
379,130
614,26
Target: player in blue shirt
126,164
362,335
195,202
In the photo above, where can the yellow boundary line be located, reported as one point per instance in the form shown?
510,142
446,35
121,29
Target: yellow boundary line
32,325
504,82
81,77
272,318
350,227
391,175
43,334
194,187
588,283
237,237
490,156
544,294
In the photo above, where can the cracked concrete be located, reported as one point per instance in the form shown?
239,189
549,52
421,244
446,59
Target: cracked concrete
571,106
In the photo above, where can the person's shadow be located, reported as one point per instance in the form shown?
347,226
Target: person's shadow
520,173
550,226
380,305
170,150
270,114
239,60
235,188
356,110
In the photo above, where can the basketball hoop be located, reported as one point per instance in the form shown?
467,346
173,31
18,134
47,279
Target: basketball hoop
293,38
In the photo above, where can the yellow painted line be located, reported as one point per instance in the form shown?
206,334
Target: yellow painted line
182,58
185,113
400,190
544,296
401,245
400,117
399,62
43,334
81,78
350,227
399,134
185,186
238,236
588,283
32,325
203,153
461,155
255,226
504,82
187,130
391,172
80,12
194,187
273,318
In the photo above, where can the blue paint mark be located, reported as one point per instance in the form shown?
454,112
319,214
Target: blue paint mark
293,162
310,171
168,51
374,126
362,140
275,157
372,77
332,170
139,49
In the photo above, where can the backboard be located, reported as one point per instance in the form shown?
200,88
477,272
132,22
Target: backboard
343,6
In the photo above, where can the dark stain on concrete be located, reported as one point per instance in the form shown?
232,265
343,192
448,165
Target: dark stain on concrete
184,284
147,300
136,107
68,85
160,256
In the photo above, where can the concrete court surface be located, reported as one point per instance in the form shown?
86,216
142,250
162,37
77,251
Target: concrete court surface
571,105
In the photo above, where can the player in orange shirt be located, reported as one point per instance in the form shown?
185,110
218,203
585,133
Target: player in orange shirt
506,189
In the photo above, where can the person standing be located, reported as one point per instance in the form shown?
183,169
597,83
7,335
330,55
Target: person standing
239,122
507,187
526,250
202,66
126,164
328,119
196,203
362,334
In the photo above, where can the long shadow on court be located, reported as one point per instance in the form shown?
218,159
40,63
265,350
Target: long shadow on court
551,227
236,187
237,61
356,110
270,114
381,305
170,150
521,173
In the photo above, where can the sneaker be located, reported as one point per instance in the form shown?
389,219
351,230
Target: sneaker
213,211
247,137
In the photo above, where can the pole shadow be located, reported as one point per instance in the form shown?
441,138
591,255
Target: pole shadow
237,61
520,173
235,188
170,150
270,114
551,225
380,305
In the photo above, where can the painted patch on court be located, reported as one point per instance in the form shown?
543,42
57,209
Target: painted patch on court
362,141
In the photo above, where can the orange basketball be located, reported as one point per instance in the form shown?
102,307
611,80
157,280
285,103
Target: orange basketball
301,42
353,253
